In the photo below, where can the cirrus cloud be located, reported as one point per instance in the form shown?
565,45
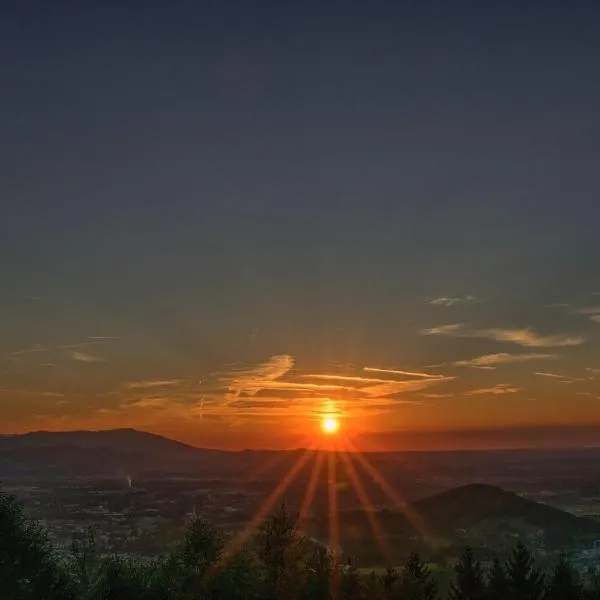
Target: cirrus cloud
522,337
502,358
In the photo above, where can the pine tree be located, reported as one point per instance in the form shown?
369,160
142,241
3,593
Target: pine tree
497,584
29,568
525,581
563,583
282,549
389,581
319,569
350,584
416,582
468,584
373,588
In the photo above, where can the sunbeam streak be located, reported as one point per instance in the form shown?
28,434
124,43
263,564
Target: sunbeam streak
363,497
334,532
267,506
311,488
401,504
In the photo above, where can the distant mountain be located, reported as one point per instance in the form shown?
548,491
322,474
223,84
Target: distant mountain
94,453
118,440
467,506
116,451
482,516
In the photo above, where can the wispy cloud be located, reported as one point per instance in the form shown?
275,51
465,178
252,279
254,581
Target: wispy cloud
561,378
436,396
346,378
403,373
451,329
593,370
595,318
89,342
250,381
85,357
489,360
452,300
24,392
546,374
497,390
396,387
134,385
522,337
150,403
31,350
588,310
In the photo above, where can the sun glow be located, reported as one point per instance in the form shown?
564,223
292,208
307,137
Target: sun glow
330,425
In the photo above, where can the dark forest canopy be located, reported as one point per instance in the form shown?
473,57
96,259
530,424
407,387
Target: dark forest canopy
276,563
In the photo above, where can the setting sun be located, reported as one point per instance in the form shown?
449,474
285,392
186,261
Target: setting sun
330,425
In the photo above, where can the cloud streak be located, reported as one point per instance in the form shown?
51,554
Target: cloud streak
502,358
404,373
497,390
522,337
154,383
452,300
561,378
79,356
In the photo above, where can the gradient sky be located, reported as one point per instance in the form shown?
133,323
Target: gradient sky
219,220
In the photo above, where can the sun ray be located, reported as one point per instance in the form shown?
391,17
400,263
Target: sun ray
267,506
311,488
367,505
415,519
264,468
334,533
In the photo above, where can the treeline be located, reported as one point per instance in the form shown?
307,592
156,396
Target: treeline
276,564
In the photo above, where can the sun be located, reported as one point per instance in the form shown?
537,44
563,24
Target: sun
330,425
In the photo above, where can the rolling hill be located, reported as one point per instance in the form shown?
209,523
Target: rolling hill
482,516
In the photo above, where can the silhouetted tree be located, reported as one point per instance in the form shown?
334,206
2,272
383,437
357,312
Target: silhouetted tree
389,581
469,583
282,550
84,561
29,569
319,574
525,581
350,584
118,579
497,584
591,583
239,579
563,583
191,566
373,587
416,582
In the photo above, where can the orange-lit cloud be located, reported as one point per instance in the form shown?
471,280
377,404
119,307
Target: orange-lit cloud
396,387
496,390
522,337
406,373
85,357
34,393
501,358
153,383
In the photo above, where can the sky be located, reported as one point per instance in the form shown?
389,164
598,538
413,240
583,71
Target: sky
220,221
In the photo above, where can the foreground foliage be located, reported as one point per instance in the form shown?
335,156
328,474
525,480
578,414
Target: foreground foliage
277,564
